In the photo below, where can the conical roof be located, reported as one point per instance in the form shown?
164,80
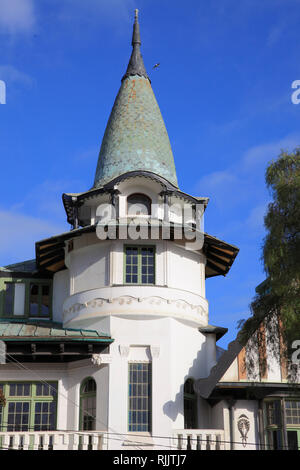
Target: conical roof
135,137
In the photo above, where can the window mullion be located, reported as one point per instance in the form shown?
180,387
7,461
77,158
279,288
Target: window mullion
40,300
139,265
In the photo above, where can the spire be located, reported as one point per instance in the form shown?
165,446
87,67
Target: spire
136,64
135,138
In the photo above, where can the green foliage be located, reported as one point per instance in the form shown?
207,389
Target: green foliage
280,293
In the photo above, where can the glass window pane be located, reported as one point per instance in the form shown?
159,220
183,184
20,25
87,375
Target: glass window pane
34,299
138,204
19,412
45,300
88,406
139,397
18,416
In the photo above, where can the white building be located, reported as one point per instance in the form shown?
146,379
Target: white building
107,333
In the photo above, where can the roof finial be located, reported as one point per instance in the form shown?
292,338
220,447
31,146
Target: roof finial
136,38
136,64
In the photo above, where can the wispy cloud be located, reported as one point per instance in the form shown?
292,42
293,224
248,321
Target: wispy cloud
239,194
19,233
44,199
17,16
275,34
260,155
238,181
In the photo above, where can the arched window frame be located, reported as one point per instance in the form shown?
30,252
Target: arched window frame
83,396
190,399
147,203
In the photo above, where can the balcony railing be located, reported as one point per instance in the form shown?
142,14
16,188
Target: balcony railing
183,439
52,440
199,439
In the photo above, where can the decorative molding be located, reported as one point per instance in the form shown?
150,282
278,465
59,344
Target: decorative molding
155,351
129,299
99,359
243,425
124,350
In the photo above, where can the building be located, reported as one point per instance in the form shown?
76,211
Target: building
107,332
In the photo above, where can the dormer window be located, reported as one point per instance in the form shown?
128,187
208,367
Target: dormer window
138,204
26,298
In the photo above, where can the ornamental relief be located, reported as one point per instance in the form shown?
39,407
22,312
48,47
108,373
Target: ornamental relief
243,425
180,304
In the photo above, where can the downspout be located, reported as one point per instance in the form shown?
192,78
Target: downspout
231,402
261,430
284,431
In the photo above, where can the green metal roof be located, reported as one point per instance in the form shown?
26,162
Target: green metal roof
24,266
135,137
47,331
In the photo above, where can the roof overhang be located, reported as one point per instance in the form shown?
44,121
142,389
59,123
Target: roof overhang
49,342
71,201
219,331
50,253
252,390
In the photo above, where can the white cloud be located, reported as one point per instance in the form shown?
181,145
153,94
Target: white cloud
245,180
44,199
18,235
260,155
17,16
255,220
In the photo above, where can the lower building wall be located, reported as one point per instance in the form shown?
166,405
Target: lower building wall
242,433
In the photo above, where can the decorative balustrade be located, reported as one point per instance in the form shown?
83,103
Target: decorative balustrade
199,439
51,440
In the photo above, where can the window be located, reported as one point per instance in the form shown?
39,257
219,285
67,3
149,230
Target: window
292,412
140,397
190,405
138,204
274,413
139,265
29,407
39,300
283,414
25,298
88,405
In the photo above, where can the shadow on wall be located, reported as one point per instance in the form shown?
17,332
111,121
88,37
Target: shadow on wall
173,408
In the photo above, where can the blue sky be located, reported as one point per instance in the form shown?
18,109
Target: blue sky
224,89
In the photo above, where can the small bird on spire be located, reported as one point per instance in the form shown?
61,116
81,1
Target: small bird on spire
156,65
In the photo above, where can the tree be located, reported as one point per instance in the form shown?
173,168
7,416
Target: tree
280,293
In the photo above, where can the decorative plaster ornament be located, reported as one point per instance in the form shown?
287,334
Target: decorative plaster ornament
243,425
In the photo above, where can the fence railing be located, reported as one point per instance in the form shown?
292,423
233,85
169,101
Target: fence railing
51,440
199,439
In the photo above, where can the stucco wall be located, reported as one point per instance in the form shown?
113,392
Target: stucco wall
61,290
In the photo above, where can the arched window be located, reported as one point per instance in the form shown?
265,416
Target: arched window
88,405
138,204
190,405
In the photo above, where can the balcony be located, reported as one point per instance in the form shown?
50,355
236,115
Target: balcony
199,439
134,301
52,440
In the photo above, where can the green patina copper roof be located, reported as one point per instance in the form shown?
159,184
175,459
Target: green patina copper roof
25,266
135,137
36,331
